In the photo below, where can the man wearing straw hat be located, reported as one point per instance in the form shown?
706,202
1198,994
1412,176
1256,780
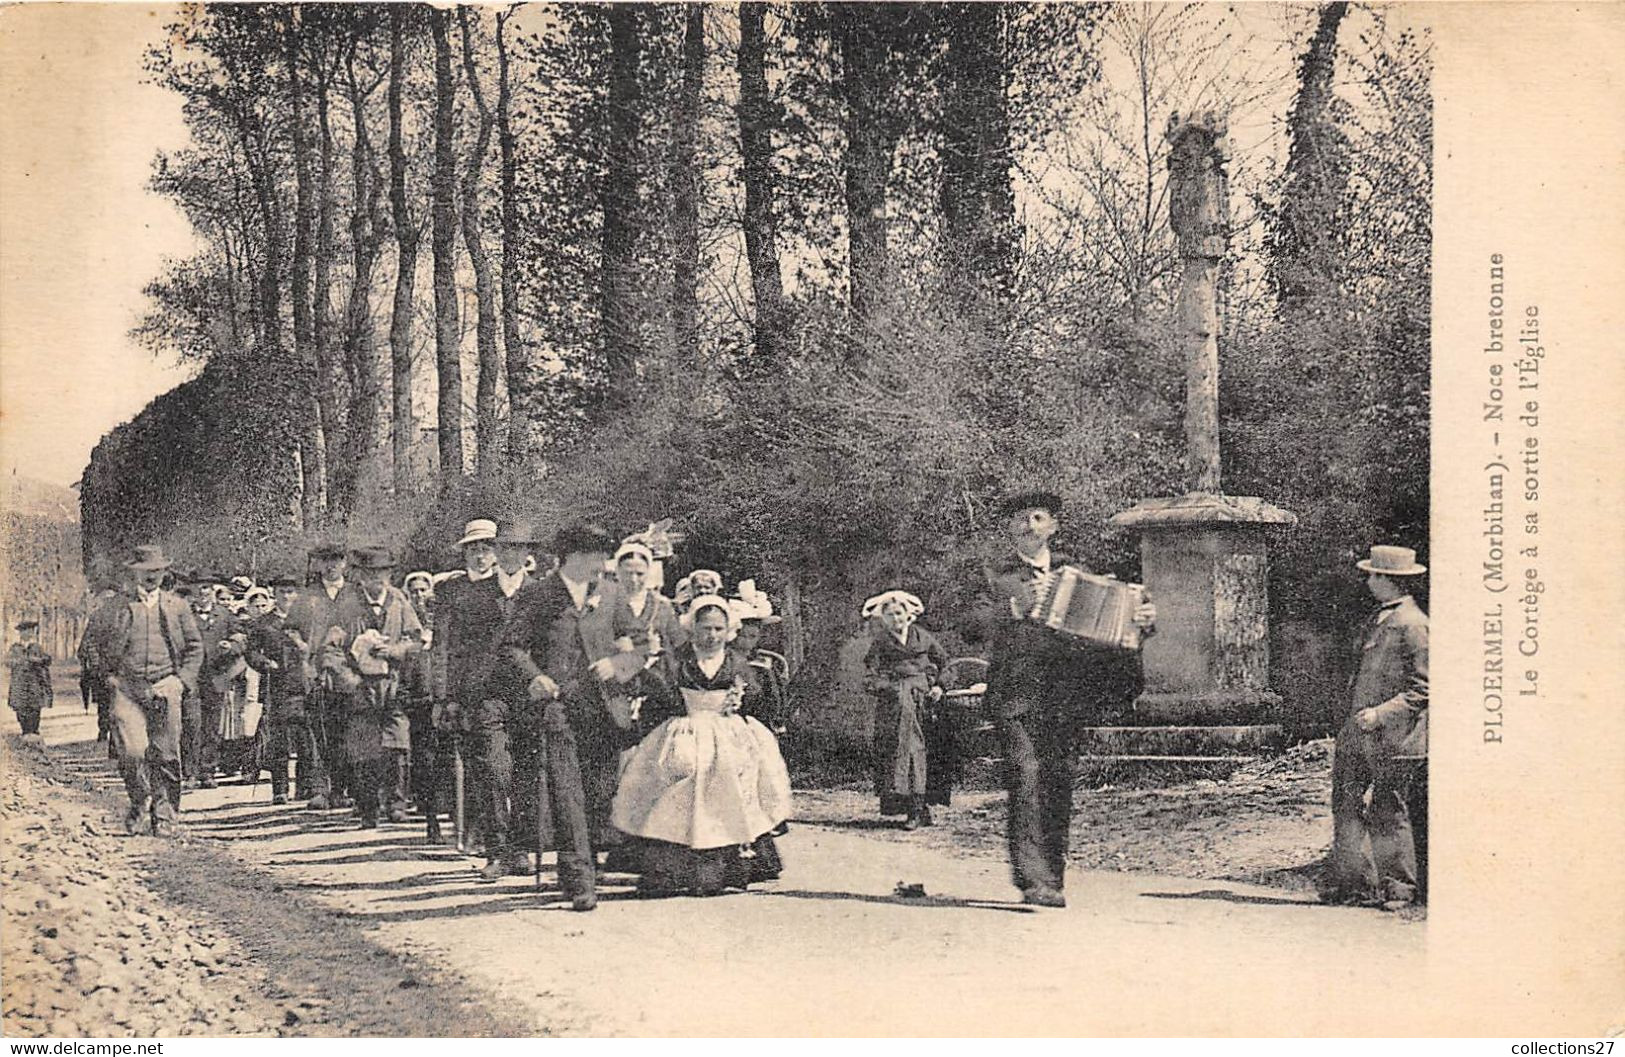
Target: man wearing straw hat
153,653
456,648
1376,750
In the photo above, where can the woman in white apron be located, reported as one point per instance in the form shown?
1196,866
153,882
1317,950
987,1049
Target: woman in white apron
706,787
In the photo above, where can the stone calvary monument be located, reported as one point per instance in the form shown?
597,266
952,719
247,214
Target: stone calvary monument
1204,556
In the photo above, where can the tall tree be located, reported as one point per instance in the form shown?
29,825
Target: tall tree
403,425
756,148
978,204
366,238
448,353
685,189
521,406
312,445
619,298
880,46
487,422
320,44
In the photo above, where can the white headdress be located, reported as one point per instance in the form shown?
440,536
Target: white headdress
752,604
912,606
697,583
706,602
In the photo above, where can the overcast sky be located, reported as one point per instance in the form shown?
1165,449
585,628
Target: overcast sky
79,234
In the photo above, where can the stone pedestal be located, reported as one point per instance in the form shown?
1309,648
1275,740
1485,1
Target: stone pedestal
1205,561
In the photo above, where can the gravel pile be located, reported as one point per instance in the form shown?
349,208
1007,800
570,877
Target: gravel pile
87,949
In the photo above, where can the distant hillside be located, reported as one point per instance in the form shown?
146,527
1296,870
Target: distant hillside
29,496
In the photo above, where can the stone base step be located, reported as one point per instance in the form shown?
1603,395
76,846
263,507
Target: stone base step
1130,770
1181,741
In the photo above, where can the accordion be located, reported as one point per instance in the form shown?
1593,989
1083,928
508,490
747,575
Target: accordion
1095,609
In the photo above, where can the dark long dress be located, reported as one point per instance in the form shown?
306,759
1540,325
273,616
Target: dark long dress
914,743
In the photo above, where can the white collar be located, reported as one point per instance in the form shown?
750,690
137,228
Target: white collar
638,603
508,585
332,589
148,598
1039,561
713,664
486,575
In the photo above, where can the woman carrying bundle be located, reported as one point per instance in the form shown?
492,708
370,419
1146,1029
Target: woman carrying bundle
913,745
707,786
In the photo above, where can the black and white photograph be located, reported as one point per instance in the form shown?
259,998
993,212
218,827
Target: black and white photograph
810,519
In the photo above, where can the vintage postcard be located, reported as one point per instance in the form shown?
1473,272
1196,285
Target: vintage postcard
811,519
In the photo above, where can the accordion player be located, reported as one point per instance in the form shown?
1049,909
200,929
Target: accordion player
1094,609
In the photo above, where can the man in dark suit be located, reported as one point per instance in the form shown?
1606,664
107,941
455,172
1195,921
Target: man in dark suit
500,725
200,712
438,731
311,617
561,652
1380,745
1043,687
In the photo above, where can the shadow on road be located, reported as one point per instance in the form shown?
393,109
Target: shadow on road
1223,895
928,902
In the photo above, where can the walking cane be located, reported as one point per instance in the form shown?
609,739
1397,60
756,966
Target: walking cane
544,807
457,817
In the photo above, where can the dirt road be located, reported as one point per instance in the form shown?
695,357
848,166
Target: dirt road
348,931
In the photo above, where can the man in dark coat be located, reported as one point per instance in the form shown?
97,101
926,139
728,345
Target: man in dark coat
1043,688
501,726
93,667
28,669
1379,747
312,617
460,654
152,653
560,647
278,652
200,712
375,631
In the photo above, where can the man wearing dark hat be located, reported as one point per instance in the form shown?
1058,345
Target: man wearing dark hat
375,631
152,652
561,651
28,671
312,617
1043,687
1379,746
501,730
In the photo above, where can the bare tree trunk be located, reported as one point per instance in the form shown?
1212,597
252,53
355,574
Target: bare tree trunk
756,146
618,304
685,183
521,386
359,356
403,425
448,354
311,454
978,205
487,424
331,420
863,35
